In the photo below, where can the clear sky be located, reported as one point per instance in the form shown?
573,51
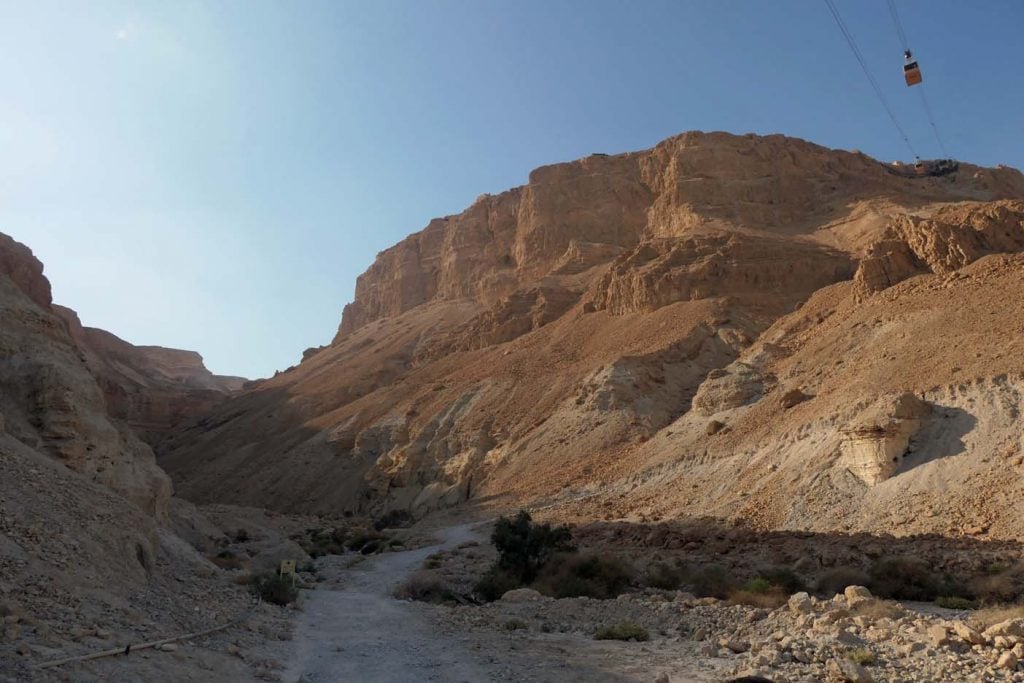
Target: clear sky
213,176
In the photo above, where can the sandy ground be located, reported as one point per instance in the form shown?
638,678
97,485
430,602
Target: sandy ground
354,630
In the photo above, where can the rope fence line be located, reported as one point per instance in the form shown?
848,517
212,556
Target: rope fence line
128,649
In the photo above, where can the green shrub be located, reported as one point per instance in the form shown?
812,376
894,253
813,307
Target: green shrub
425,586
273,588
954,602
393,519
711,581
494,583
516,625
665,576
361,539
909,578
320,542
1005,585
626,630
226,559
836,580
758,585
523,547
784,578
572,576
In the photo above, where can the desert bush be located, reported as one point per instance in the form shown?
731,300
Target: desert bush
953,602
711,581
1001,583
361,539
909,578
627,630
665,576
989,616
877,609
273,588
523,547
425,586
516,625
784,578
393,519
837,579
494,583
320,542
768,599
226,559
572,576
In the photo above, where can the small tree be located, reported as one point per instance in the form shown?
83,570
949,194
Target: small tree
523,547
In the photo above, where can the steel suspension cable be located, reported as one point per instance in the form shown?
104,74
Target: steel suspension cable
867,72
920,87
899,25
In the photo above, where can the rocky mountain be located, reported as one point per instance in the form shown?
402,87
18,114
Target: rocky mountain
151,388
759,328
87,555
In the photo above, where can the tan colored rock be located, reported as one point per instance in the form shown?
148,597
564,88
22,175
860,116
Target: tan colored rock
938,635
800,603
850,672
857,594
1010,627
874,446
968,634
1007,660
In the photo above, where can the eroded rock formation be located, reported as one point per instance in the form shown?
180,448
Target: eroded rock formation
654,333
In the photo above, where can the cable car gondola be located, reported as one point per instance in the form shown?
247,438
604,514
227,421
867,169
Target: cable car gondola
911,71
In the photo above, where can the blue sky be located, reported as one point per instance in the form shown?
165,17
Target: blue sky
214,176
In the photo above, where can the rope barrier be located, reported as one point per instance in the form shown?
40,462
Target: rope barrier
128,649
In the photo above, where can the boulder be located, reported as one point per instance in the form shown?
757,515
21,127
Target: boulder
847,671
857,594
800,603
968,634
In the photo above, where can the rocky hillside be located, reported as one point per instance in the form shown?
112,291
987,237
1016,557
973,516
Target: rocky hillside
753,326
151,388
88,560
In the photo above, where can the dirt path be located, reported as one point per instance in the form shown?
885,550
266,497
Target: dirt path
355,631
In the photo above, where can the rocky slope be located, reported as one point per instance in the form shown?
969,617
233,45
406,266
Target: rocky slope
721,323
88,560
151,388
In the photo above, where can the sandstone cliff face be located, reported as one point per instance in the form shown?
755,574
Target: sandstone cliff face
150,388
50,401
692,183
621,330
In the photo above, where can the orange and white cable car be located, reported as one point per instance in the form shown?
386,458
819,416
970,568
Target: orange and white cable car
911,71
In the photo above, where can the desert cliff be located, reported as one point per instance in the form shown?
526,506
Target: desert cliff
721,323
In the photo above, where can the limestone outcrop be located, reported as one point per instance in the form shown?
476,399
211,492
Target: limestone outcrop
875,444
951,238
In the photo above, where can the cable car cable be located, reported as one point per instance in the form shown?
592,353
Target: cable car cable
899,25
867,72
931,120
924,100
